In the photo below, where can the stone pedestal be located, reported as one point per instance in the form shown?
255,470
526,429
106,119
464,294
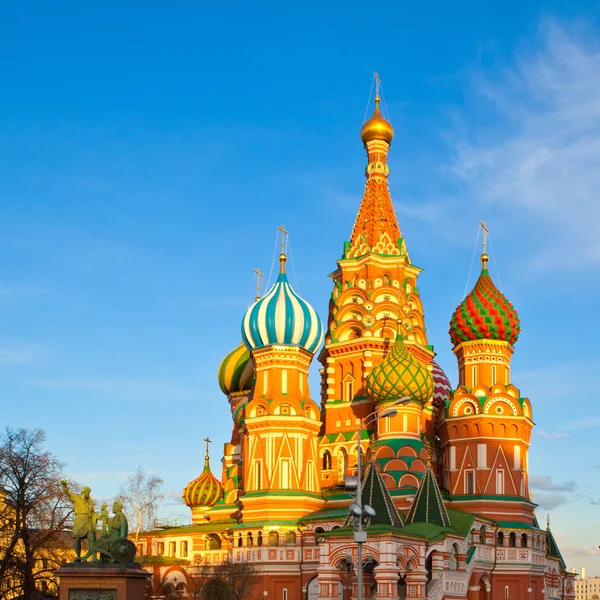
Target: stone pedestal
102,581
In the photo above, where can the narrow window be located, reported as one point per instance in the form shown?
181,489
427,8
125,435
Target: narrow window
310,476
265,381
184,549
284,381
285,474
470,486
404,422
284,596
493,374
326,460
500,482
482,456
172,549
453,458
474,375
348,390
512,540
523,540
257,475
506,591
517,457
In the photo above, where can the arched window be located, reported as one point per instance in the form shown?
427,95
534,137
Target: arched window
259,539
290,538
512,539
500,539
523,540
482,534
453,558
273,538
326,460
212,542
240,542
317,533
249,540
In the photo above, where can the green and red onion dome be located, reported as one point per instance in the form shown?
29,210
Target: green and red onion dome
205,490
236,371
399,375
485,314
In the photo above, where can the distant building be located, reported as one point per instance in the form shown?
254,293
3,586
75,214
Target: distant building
447,472
587,589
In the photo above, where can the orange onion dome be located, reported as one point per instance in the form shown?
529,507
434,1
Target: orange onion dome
485,314
377,128
205,490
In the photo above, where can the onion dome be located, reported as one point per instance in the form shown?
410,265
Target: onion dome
485,314
377,128
205,490
236,371
398,375
441,385
282,317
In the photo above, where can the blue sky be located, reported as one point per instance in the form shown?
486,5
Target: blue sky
149,150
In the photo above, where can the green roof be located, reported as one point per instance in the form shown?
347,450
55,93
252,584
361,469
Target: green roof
428,506
326,513
186,529
553,549
375,494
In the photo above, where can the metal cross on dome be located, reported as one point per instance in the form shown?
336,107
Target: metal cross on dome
486,232
207,443
259,277
283,234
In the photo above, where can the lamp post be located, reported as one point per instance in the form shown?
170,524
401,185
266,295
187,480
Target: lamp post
361,515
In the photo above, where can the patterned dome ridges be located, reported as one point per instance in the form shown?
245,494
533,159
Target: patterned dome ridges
398,375
205,490
282,317
485,314
236,371
441,385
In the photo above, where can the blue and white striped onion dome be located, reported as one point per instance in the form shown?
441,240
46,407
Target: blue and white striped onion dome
282,317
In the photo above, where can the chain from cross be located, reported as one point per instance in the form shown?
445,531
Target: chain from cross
259,277
283,234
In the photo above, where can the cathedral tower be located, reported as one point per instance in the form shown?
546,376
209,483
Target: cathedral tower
375,296
485,427
281,468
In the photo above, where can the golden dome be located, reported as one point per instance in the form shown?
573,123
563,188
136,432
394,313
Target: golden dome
377,128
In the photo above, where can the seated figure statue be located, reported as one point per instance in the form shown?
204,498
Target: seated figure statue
113,545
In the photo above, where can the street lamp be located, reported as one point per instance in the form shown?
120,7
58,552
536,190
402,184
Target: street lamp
360,516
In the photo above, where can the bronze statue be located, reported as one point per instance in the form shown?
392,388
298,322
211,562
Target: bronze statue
113,545
84,524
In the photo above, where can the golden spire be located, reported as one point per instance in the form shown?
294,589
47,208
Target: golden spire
377,128
484,256
259,276
282,256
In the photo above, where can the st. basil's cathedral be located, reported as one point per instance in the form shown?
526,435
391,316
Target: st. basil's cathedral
445,471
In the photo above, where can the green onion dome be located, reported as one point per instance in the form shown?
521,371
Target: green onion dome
236,371
399,375
485,314
205,490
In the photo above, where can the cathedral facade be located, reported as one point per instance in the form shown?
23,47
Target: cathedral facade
444,471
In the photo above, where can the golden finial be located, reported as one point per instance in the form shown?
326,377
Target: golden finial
259,276
377,128
484,256
282,256
548,521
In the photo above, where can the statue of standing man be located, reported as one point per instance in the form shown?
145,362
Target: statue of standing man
84,524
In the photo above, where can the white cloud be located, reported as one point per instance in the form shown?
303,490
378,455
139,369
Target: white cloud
544,482
549,501
540,157
552,436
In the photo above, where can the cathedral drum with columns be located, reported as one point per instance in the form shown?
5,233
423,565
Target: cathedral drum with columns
444,471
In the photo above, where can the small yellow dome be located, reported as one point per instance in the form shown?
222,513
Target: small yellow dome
377,128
